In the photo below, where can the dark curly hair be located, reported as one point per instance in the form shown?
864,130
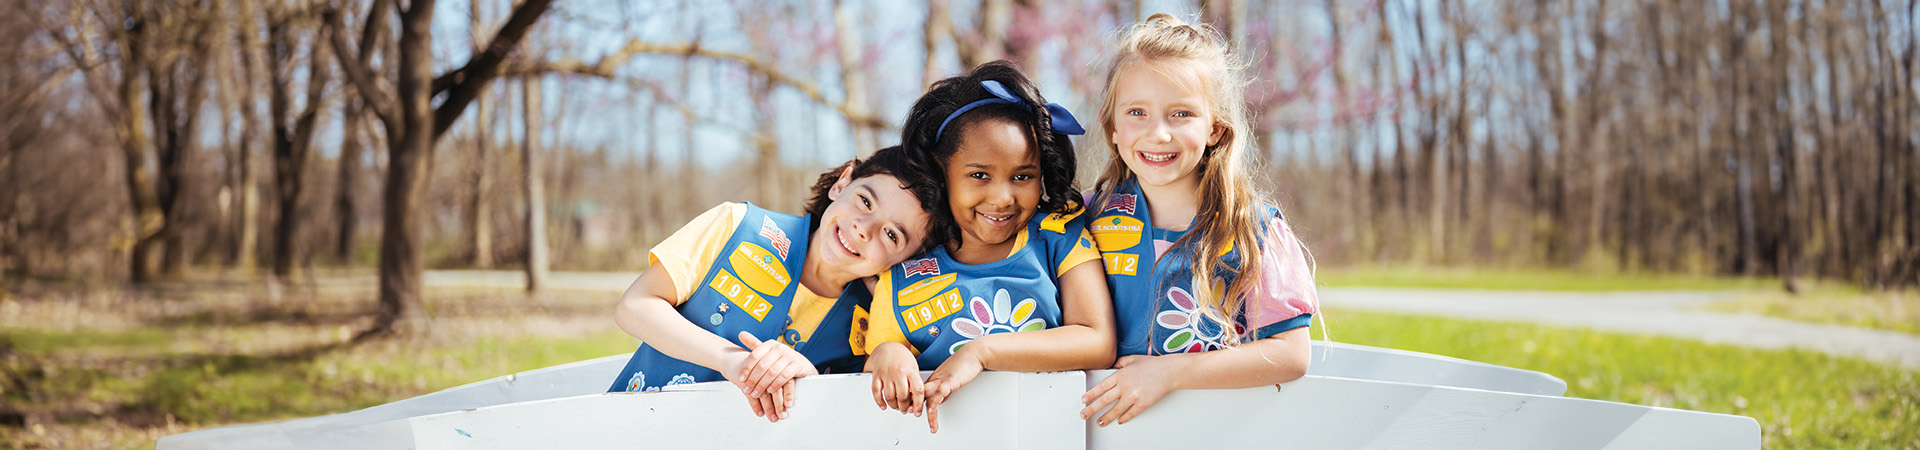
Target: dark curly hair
916,175
922,133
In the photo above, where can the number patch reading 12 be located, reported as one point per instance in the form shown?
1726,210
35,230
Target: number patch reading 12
729,285
1121,263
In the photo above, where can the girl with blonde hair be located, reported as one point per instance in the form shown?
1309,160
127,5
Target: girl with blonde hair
1211,288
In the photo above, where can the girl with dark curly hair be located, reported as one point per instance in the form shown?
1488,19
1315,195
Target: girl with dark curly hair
1019,285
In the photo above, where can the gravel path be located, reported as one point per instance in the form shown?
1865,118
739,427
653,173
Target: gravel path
1672,314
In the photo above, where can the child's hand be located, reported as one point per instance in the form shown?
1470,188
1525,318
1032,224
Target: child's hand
1140,382
896,378
766,375
959,369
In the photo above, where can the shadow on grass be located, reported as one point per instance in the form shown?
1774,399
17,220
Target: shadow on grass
258,315
151,390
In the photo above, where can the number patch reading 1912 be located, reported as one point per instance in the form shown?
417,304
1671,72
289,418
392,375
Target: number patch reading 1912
730,286
929,312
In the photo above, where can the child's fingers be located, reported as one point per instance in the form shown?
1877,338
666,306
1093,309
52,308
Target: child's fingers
747,340
903,394
758,409
1135,410
879,391
792,390
918,393
769,374
936,393
1101,388
933,418
783,373
777,398
759,365
1098,404
1120,404
1125,360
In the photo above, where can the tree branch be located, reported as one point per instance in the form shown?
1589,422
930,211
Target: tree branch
607,65
363,81
462,88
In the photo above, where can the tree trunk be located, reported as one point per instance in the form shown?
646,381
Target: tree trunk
409,154
530,159
292,136
479,211
246,216
147,216
346,215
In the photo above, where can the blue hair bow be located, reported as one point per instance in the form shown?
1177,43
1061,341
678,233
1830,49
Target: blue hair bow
1063,121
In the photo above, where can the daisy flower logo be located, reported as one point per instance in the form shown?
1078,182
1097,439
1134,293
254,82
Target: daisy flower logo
1002,316
1185,319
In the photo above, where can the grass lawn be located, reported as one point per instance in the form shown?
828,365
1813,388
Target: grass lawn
1834,304
1801,399
120,370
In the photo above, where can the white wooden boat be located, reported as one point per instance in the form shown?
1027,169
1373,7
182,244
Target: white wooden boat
1353,397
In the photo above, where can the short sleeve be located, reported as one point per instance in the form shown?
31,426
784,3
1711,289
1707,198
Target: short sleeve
881,325
1283,295
689,253
1071,244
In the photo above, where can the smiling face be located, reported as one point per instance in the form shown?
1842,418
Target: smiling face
993,187
871,225
1161,126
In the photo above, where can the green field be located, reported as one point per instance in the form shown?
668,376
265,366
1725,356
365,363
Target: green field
1801,399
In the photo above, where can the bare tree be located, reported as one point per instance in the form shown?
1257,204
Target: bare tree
412,125
293,130
533,186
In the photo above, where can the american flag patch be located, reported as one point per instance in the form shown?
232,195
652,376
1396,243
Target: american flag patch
1122,202
779,238
923,266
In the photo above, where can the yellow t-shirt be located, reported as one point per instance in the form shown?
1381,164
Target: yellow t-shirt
1072,248
688,257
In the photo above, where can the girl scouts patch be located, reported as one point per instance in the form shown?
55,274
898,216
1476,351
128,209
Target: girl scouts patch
1000,317
1185,321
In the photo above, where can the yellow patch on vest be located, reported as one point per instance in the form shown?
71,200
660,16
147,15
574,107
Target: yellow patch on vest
857,337
759,269
729,286
925,289
1117,233
929,312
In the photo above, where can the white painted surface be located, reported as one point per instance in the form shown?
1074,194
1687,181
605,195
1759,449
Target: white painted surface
1400,407
1335,413
1385,364
997,410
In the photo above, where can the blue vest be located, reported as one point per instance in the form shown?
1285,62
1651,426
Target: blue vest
942,304
750,288
1153,301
